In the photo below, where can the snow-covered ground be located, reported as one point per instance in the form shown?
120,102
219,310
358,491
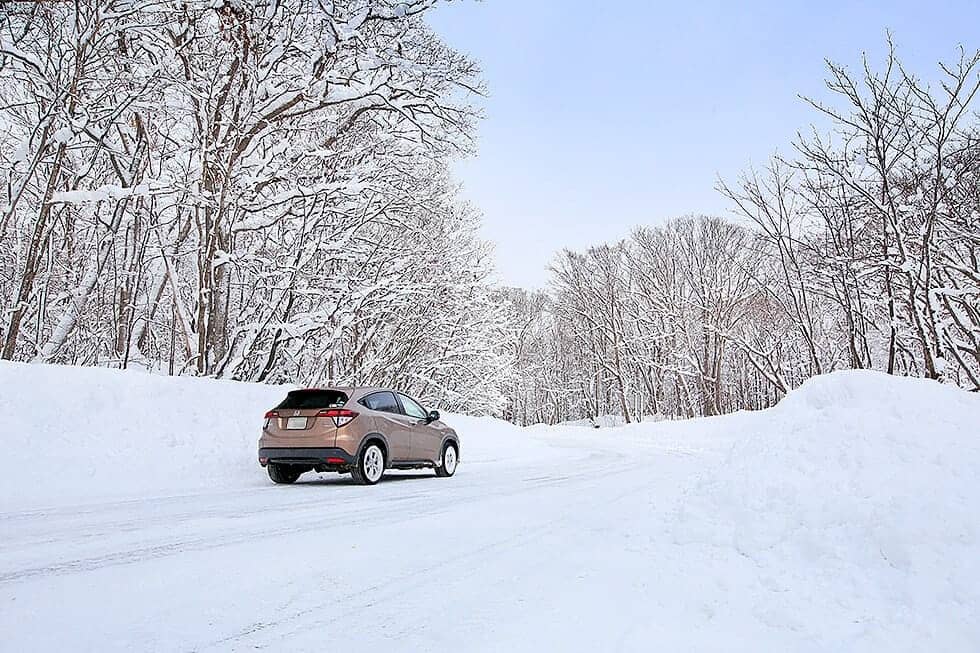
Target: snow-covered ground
134,517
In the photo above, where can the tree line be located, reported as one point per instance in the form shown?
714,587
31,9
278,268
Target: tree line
858,251
260,191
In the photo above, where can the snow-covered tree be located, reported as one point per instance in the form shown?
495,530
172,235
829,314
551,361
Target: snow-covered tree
245,189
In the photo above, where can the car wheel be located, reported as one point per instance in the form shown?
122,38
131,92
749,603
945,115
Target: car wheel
284,474
447,464
370,465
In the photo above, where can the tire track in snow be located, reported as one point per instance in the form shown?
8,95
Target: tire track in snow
351,602
356,515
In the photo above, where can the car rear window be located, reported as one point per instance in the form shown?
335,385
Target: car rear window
307,399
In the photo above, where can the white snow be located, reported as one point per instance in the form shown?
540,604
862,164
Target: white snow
62,135
134,517
105,192
76,434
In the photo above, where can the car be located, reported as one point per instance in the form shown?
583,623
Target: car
360,431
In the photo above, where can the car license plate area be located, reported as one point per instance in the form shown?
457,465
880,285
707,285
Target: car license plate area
295,423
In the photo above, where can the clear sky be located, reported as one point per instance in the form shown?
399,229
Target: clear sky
603,115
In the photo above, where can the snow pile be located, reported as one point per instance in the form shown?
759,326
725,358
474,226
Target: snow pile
73,433
76,434
850,514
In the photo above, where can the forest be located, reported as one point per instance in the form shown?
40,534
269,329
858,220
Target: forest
263,192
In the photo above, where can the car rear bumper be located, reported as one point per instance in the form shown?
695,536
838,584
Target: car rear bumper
320,456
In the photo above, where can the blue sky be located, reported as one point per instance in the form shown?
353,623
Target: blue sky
606,115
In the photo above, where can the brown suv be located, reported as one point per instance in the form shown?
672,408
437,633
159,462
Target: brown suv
358,430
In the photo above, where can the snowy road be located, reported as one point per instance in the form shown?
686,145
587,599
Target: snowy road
843,519
547,552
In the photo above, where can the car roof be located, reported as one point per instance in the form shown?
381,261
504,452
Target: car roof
349,390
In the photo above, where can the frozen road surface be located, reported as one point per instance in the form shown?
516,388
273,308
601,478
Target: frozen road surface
533,554
828,523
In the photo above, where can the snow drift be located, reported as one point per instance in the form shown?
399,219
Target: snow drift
856,501
76,434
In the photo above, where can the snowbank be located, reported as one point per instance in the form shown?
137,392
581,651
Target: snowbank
856,501
847,517
76,434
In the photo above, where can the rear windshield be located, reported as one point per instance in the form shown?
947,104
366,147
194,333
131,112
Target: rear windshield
306,399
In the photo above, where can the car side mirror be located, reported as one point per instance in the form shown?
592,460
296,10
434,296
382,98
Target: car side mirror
433,416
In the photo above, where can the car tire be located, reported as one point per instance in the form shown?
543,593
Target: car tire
448,461
284,474
370,466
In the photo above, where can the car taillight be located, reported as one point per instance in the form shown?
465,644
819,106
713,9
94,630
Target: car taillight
340,416
268,418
